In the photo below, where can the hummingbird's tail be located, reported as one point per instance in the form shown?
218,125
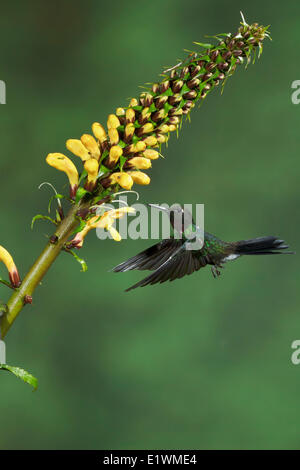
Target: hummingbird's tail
262,246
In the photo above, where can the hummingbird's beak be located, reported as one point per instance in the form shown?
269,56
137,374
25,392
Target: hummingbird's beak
159,207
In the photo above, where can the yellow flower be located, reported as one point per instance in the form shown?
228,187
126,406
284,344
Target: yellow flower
7,259
139,177
99,132
133,102
121,178
105,221
92,167
113,136
151,154
151,140
63,163
120,111
129,131
91,145
140,163
112,122
130,115
76,146
114,155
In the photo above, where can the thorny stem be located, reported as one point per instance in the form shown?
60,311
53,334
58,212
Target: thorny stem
39,269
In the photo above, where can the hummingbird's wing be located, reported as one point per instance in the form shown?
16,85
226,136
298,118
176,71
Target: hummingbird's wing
151,258
180,263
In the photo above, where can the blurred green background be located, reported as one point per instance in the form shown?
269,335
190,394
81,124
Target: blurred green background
198,363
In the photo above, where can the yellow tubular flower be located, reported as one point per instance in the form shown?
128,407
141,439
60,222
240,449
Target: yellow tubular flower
121,178
91,145
99,132
151,154
129,131
172,128
63,163
151,141
164,128
146,128
133,102
7,259
161,138
114,155
112,122
140,146
105,221
76,146
120,112
113,135
140,163
130,115
139,177
92,167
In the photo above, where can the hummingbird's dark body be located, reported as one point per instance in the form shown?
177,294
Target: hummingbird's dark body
172,259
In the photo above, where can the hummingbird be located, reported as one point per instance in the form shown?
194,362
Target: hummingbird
175,257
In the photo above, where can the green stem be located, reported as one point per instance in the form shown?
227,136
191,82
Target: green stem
38,270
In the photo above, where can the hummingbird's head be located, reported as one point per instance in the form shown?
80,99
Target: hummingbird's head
179,218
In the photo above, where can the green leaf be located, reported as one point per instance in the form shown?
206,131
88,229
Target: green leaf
44,217
79,260
6,283
122,161
81,192
81,225
203,44
21,374
55,196
82,176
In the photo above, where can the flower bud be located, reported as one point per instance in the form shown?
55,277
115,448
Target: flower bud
128,132
190,95
174,99
140,163
7,259
145,129
133,102
161,138
112,122
159,115
113,135
151,154
99,132
139,146
76,146
91,145
174,120
150,141
91,166
160,101
121,178
139,177
130,115
114,156
63,163
120,112
164,128
172,127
